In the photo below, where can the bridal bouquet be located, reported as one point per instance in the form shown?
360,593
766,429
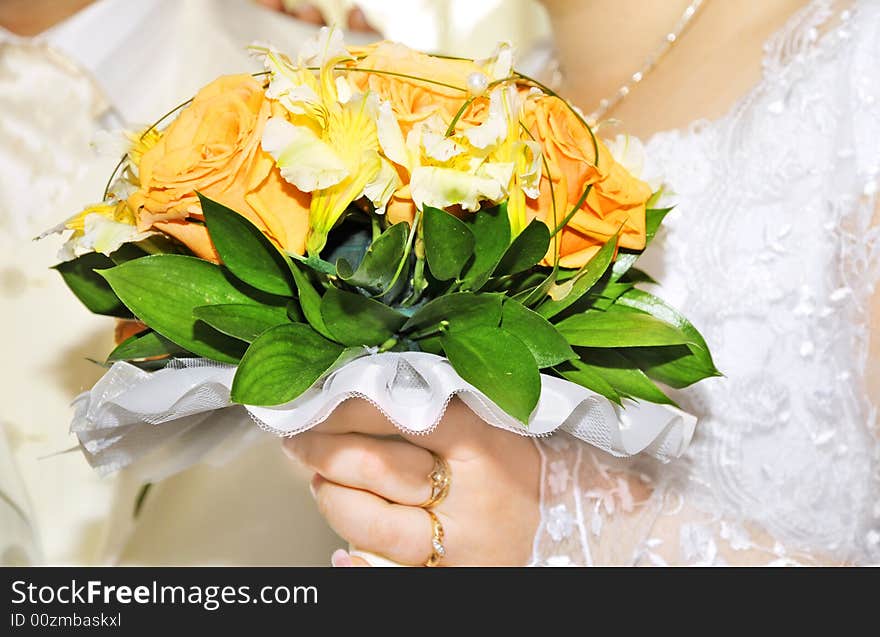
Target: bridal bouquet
353,203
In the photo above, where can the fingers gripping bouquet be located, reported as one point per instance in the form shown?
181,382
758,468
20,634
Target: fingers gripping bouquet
380,223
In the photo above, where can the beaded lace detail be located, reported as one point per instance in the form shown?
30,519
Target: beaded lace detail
773,251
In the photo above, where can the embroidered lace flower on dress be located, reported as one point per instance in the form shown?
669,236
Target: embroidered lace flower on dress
778,275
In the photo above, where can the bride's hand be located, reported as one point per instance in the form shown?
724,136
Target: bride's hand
368,486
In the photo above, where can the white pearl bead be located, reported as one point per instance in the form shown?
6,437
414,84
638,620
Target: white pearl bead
477,83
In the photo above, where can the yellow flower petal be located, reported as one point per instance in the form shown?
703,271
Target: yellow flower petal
305,160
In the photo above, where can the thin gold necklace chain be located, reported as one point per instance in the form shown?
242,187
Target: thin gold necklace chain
651,62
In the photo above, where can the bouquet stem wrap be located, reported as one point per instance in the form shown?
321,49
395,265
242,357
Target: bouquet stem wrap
169,419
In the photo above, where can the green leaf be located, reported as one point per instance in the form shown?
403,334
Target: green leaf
658,308
537,333
677,365
527,249
625,260
245,250
127,252
619,329
163,290
491,230
147,344
376,271
90,287
653,218
462,310
634,275
620,373
281,364
537,294
499,365
564,294
587,376
449,243
309,300
602,298
702,362
242,321
294,312
432,345
315,263
353,319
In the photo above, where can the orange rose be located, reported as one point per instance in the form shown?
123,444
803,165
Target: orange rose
616,201
213,147
412,100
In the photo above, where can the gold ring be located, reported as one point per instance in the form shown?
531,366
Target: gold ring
440,478
438,551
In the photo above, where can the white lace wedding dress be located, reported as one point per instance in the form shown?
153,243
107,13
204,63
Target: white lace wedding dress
773,251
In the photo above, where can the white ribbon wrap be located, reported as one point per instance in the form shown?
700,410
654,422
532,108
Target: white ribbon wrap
165,421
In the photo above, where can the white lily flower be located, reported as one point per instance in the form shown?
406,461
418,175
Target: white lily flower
391,137
305,160
440,147
343,90
98,231
495,128
383,186
326,45
530,169
629,152
444,187
499,65
113,143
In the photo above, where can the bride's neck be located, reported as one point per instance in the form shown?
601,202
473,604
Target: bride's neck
601,43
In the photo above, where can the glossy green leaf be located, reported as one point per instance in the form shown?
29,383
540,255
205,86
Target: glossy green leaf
128,252
462,310
587,376
648,303
353,319
565,294
449,243
294,312
499,365
242,321
376,270
90,287
677,365
626,379
163,290
625,260
546,344
527,249
281,364
245,250
431,344
634,275
491,230
537,294
701,363
619,329
602,298
309,300
653,218
315,263
147,344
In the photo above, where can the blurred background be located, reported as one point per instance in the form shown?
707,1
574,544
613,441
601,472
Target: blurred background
73,75
467,28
